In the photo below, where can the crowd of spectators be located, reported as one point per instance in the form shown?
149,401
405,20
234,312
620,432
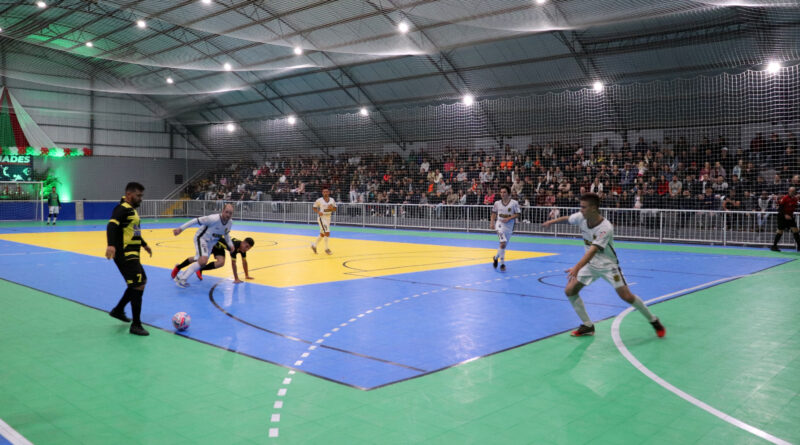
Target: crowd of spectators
668,174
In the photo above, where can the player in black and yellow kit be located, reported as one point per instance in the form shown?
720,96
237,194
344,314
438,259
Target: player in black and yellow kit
240,247
124,236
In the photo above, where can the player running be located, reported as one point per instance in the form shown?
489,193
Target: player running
241,247
212,228
504,213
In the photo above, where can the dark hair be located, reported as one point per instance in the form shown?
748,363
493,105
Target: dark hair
134,187
591,198
325,187
250,241
508,190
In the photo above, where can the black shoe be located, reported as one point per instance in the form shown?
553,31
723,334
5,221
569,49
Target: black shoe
660,331
503,267
583,330
119,315
137,329
494,262
774,248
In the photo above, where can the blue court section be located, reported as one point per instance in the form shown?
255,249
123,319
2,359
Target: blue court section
397,327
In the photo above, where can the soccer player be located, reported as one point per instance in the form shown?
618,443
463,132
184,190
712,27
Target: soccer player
53,205
323,207
504,213
240,247
212,228
124,236
786,207
599,261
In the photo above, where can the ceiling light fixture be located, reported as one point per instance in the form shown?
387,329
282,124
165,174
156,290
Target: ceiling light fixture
298,50
402,27
363,111
230,128
41,4
598,86
89,44
773,67
141,24
292,120
170,81
468,99
227,66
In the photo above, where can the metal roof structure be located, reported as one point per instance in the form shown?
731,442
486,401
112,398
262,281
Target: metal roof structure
207,61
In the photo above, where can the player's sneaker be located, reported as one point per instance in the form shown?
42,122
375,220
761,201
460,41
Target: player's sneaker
774,248
503,267
583,330
328,251
48,223
175,271
199,274
314,248
494,262
119,315
660,331
181,283
137,329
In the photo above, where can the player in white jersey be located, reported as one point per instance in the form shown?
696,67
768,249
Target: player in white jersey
599,261
212,228
324,207
504,213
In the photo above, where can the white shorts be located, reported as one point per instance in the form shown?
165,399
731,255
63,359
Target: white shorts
53,210
503,232
324,224
202,247
613,275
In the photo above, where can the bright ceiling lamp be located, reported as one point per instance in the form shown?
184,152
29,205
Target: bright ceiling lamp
227,66
292,120
541,2
141,24
773,67
298,50
402,27
170,81
363,111
598,86
230,128
41,4
468,99
208,2
89,44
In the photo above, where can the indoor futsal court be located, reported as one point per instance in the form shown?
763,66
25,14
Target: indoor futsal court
399,222
397,337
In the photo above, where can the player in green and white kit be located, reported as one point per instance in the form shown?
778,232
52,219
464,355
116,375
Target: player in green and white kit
54,205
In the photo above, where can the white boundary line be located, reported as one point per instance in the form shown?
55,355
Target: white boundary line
12,435
666,385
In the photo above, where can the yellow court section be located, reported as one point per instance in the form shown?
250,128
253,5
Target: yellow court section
287,260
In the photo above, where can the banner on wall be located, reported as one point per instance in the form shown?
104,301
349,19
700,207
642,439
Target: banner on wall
16,168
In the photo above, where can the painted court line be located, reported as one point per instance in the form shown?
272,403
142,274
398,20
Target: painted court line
668,386
11,435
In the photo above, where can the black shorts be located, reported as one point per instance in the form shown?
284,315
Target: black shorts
132,271
786,224
218,250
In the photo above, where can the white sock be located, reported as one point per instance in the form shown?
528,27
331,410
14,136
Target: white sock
502,255
641,307
194,267
317,241
577,304
499,250
326,243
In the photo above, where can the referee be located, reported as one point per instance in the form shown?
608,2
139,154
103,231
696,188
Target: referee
124,242
786,207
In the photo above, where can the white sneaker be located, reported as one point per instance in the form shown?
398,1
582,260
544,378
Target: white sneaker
181,283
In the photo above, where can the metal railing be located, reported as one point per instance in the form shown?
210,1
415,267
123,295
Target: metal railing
655,225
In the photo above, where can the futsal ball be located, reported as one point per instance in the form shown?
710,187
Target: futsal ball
181,321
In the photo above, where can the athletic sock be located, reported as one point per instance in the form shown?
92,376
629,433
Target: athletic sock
499,251
778,237
136,305
316,243
580,309
126,298
326,243
194,267
209,266
501,255
184,264
641,307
